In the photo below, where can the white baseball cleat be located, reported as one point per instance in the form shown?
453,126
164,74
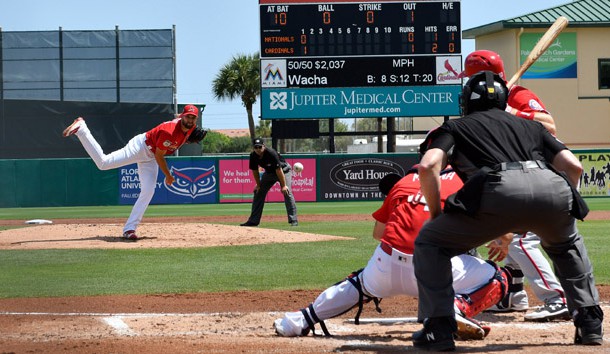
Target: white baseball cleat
73,128
468,329
549,312
284,330
280,330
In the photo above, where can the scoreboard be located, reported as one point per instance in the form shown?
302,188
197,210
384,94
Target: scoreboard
332,29
349,44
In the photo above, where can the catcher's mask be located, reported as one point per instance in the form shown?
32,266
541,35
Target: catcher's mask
480,60
484,90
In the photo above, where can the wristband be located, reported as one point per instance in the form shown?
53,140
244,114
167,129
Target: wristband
526,115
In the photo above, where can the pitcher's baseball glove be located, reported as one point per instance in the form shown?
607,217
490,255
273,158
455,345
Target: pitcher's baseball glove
197,135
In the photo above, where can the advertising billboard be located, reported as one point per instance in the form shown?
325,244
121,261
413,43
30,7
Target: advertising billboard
195,183
357,178
237,183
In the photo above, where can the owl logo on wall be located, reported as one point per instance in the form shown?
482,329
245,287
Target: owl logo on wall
193,181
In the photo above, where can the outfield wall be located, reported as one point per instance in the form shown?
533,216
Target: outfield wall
226,179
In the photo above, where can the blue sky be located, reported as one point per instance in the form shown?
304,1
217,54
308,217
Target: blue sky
208,34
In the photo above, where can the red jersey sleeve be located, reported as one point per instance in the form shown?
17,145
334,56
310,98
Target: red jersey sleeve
383,213
525,100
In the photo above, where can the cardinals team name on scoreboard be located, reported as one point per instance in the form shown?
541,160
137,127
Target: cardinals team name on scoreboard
350,43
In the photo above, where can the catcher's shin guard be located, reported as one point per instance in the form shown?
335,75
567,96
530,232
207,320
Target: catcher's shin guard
474,303
515,285
363,298
311,317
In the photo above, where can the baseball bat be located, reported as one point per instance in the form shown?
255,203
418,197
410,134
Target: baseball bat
543,44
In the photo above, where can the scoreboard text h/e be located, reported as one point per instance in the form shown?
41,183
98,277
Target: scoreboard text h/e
335,29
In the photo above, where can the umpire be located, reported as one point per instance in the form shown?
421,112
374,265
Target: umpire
276,170
509,186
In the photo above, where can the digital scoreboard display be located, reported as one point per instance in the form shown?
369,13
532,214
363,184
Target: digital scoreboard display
339,58
331,29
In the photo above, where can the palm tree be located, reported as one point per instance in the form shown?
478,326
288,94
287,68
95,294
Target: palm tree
240,78
263,129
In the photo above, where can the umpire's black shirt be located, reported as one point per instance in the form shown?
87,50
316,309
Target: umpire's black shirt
270,161
487,138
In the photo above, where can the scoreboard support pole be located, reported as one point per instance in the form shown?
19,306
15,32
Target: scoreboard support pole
331,135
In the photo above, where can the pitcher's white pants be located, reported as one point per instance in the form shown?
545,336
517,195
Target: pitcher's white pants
136,151
386,276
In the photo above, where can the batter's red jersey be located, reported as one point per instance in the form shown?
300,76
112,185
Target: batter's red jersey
167,136
525,100
404,210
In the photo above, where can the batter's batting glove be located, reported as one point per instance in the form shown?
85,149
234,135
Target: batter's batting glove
197,135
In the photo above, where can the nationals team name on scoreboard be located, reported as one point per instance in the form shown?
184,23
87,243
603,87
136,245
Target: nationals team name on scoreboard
348,43
348,58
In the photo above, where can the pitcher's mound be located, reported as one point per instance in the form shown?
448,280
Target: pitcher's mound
152,235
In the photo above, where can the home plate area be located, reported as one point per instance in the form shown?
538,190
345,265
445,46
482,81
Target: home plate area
253,332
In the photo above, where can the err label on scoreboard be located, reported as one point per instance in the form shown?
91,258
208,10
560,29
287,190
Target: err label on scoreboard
361,71
292,28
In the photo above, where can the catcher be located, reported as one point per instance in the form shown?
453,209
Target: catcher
148,150
479,284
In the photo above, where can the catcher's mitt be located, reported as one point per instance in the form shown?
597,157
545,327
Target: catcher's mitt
197,135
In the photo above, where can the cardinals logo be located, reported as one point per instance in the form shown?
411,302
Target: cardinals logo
447,70
193,181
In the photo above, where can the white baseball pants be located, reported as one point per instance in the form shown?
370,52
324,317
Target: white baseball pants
386,276
136,151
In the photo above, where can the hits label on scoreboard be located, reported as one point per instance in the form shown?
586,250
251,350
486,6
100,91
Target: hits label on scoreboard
349,28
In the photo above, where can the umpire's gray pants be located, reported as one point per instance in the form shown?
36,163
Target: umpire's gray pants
258,203
536,200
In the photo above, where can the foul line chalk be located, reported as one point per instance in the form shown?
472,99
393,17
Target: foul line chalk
387,320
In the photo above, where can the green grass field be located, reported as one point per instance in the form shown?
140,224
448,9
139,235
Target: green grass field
311,265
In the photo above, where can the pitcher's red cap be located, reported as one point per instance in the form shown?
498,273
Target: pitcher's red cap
190,109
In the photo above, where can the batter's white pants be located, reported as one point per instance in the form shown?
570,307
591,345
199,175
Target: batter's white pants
386,276
136,151
524,253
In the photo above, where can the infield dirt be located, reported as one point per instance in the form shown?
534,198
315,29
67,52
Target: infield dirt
237,322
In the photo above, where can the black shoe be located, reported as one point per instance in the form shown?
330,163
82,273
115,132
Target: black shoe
588,322
248,223
294,223
437,334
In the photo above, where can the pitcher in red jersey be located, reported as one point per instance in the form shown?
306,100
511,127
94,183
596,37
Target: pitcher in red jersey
148,150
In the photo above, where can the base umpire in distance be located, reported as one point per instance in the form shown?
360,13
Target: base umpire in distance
517,177
276,170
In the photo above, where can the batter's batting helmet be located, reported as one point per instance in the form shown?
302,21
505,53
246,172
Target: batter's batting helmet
387,182
480,60
484,90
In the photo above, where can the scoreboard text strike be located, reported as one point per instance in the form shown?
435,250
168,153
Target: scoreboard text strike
333,45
